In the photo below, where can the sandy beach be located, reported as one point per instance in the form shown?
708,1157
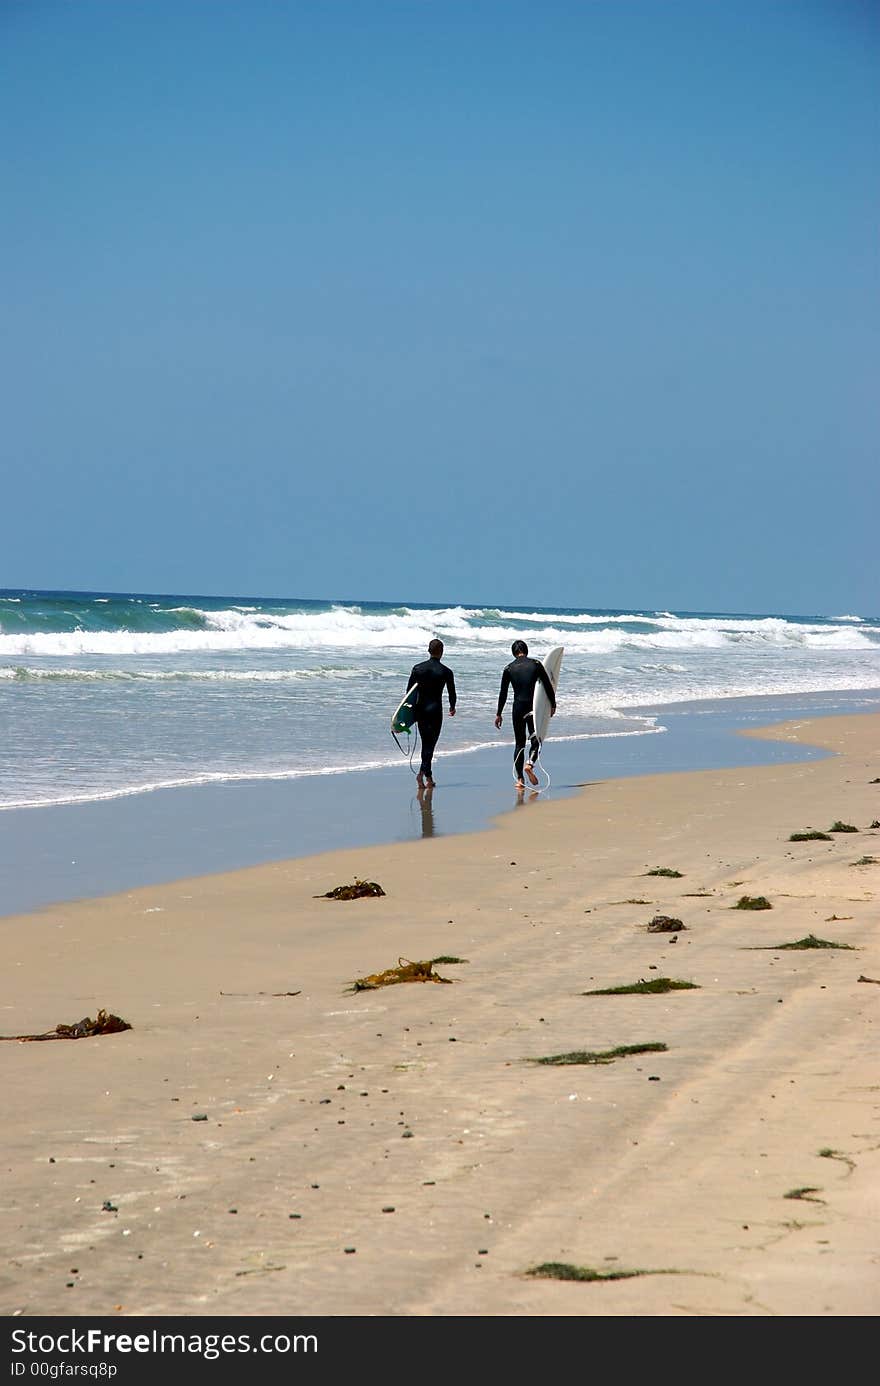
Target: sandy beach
266,1141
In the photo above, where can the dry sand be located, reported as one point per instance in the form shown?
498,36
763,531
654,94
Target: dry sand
389,1152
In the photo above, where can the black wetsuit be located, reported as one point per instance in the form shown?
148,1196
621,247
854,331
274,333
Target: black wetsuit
522,675
431,677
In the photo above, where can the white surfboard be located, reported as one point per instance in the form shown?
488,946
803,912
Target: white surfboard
541,706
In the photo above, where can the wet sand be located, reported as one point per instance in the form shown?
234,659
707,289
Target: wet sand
393,1152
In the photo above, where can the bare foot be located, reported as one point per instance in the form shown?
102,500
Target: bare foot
429,782
533,778
520,784
420,780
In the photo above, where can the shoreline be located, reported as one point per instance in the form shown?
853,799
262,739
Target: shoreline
86,850
246,1139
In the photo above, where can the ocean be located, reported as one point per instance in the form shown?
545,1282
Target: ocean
106,695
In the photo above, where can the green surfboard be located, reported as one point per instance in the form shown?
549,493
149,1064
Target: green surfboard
405,713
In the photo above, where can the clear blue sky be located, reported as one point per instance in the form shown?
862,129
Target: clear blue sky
542,303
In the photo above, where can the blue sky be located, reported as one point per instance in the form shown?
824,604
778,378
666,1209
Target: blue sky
553,304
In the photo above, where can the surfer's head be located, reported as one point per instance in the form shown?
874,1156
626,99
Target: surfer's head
435,649
519,647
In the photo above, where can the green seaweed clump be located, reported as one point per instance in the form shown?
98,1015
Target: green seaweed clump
810,941
655,986
805,1192
866,861
563,1270
584,1056
875,823
838,827
811,836
664,871
752,902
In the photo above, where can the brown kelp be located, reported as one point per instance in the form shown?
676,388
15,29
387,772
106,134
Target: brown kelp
104,1024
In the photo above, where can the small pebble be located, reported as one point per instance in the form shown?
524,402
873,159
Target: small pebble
406,1135
350,1250
653,1078
294,1215
200,1116
233,1210
387,1210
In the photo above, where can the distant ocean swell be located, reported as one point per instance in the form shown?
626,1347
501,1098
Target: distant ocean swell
109,694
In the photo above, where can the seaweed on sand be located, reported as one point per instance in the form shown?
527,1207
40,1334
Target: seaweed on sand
655,986
810,941
563,1270
665,871
810,836
752,902
103,1024
352,892
607,1056
404,972
838,827
665,924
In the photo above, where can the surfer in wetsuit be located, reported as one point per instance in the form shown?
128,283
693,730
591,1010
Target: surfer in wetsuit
431,677
522,675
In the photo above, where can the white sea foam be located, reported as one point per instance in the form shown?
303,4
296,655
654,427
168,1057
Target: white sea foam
565,618
360,672
231,630
617,703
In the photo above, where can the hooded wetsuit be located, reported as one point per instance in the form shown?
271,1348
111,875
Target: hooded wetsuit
431,677
522,675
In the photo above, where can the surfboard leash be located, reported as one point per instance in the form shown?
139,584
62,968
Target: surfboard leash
411,751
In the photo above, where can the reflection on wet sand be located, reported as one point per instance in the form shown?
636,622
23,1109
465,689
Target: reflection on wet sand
425,794
521,797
